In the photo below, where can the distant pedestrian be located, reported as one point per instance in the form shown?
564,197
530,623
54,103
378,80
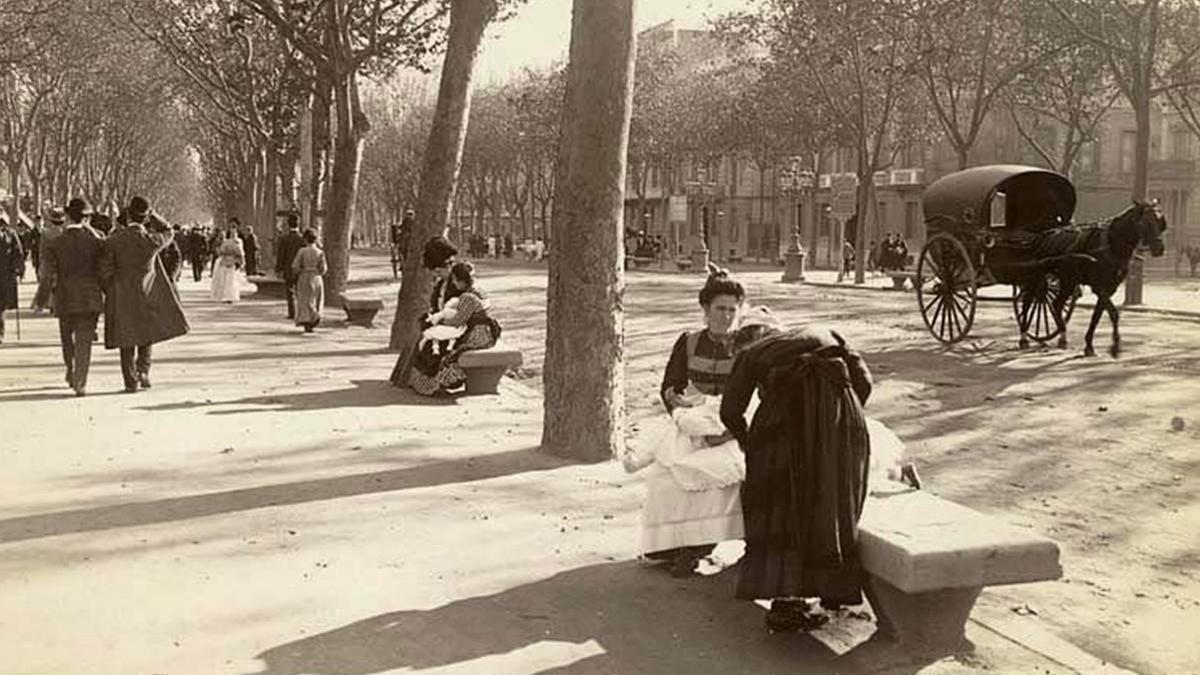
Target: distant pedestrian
142,307
309,267
172,256
249,249
73,260
43,297
12,268
226,281
289,245
197,252
847,257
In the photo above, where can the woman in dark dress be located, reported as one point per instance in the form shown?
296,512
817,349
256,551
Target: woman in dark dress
437,257
807,460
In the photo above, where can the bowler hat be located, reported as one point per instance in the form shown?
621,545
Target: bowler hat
79,207
57,217
138,208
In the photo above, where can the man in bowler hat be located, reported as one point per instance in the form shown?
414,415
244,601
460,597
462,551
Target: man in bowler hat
142,307
72,261
289,245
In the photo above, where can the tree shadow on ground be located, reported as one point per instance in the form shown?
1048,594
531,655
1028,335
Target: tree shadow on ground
363,394
174,509
620,617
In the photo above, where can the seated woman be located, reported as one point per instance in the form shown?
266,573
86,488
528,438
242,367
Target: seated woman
435,373
692,494
807,463
437,257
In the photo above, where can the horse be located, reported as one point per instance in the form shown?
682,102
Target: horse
1097,255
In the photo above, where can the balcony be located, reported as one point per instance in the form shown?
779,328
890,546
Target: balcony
907,177
1173,169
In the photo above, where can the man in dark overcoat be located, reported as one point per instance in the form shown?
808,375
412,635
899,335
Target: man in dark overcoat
142,307
197,252
249,246
289,245
12,268
72,260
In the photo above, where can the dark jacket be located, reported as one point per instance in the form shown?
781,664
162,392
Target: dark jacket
289,245
12,266
73,262
142,306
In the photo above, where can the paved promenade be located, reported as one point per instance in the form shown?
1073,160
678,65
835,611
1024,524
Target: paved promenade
273,506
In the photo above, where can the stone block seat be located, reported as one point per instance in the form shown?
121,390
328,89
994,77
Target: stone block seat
361,311
927,559
638,262
268,287
684,264
485,367
901,277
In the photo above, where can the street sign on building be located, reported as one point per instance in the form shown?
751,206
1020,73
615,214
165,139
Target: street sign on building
677,209
845,192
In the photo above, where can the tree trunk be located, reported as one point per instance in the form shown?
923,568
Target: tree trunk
14,188
264,226
584,414
1141,182
347,163
439,174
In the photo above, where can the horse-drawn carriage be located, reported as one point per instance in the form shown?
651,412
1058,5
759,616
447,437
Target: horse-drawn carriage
1011,224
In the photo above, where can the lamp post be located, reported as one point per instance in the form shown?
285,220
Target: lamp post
704,189
794,182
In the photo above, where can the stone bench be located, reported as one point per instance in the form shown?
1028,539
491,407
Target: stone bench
485,367
683,264
361,311
927,559
900,278
268,287
638,261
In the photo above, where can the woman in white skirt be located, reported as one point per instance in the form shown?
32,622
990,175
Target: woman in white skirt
227,275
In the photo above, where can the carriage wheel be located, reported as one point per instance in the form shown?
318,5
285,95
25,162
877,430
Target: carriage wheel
946,288
1033,307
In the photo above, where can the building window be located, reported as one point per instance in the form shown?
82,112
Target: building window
910,220
1128,150
1086,156
1181,143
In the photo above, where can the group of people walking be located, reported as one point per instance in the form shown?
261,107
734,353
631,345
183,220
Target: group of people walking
792,483
120,275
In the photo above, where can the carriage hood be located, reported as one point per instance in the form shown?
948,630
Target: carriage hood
1035,198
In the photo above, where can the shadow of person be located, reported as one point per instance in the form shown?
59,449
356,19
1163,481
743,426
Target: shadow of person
608,618
362,394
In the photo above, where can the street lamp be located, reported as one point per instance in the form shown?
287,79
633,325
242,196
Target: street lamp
794,181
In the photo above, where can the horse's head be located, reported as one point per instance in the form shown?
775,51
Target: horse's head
1150,224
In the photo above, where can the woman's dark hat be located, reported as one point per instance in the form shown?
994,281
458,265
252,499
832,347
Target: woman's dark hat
138,208
438,252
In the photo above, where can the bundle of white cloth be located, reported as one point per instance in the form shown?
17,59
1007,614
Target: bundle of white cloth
439,332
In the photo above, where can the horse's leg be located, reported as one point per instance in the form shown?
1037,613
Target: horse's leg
1088,350
1060,303
1115,316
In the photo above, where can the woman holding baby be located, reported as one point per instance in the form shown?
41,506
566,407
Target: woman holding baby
693,467
465,322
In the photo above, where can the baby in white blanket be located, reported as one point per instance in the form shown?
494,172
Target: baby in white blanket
438,332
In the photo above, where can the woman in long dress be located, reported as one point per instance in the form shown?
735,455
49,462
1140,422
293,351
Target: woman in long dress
807,462
226,281
434,373
309,266
692,500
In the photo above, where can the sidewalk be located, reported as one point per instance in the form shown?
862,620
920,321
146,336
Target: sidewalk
272,505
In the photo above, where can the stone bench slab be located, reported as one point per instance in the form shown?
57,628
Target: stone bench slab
485,368
918,542
490,358
362,311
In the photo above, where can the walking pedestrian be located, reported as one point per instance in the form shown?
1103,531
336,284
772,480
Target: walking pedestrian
142,307
308,266
12,268
43,297
250,250
226,281
289,245
73,261
197,252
